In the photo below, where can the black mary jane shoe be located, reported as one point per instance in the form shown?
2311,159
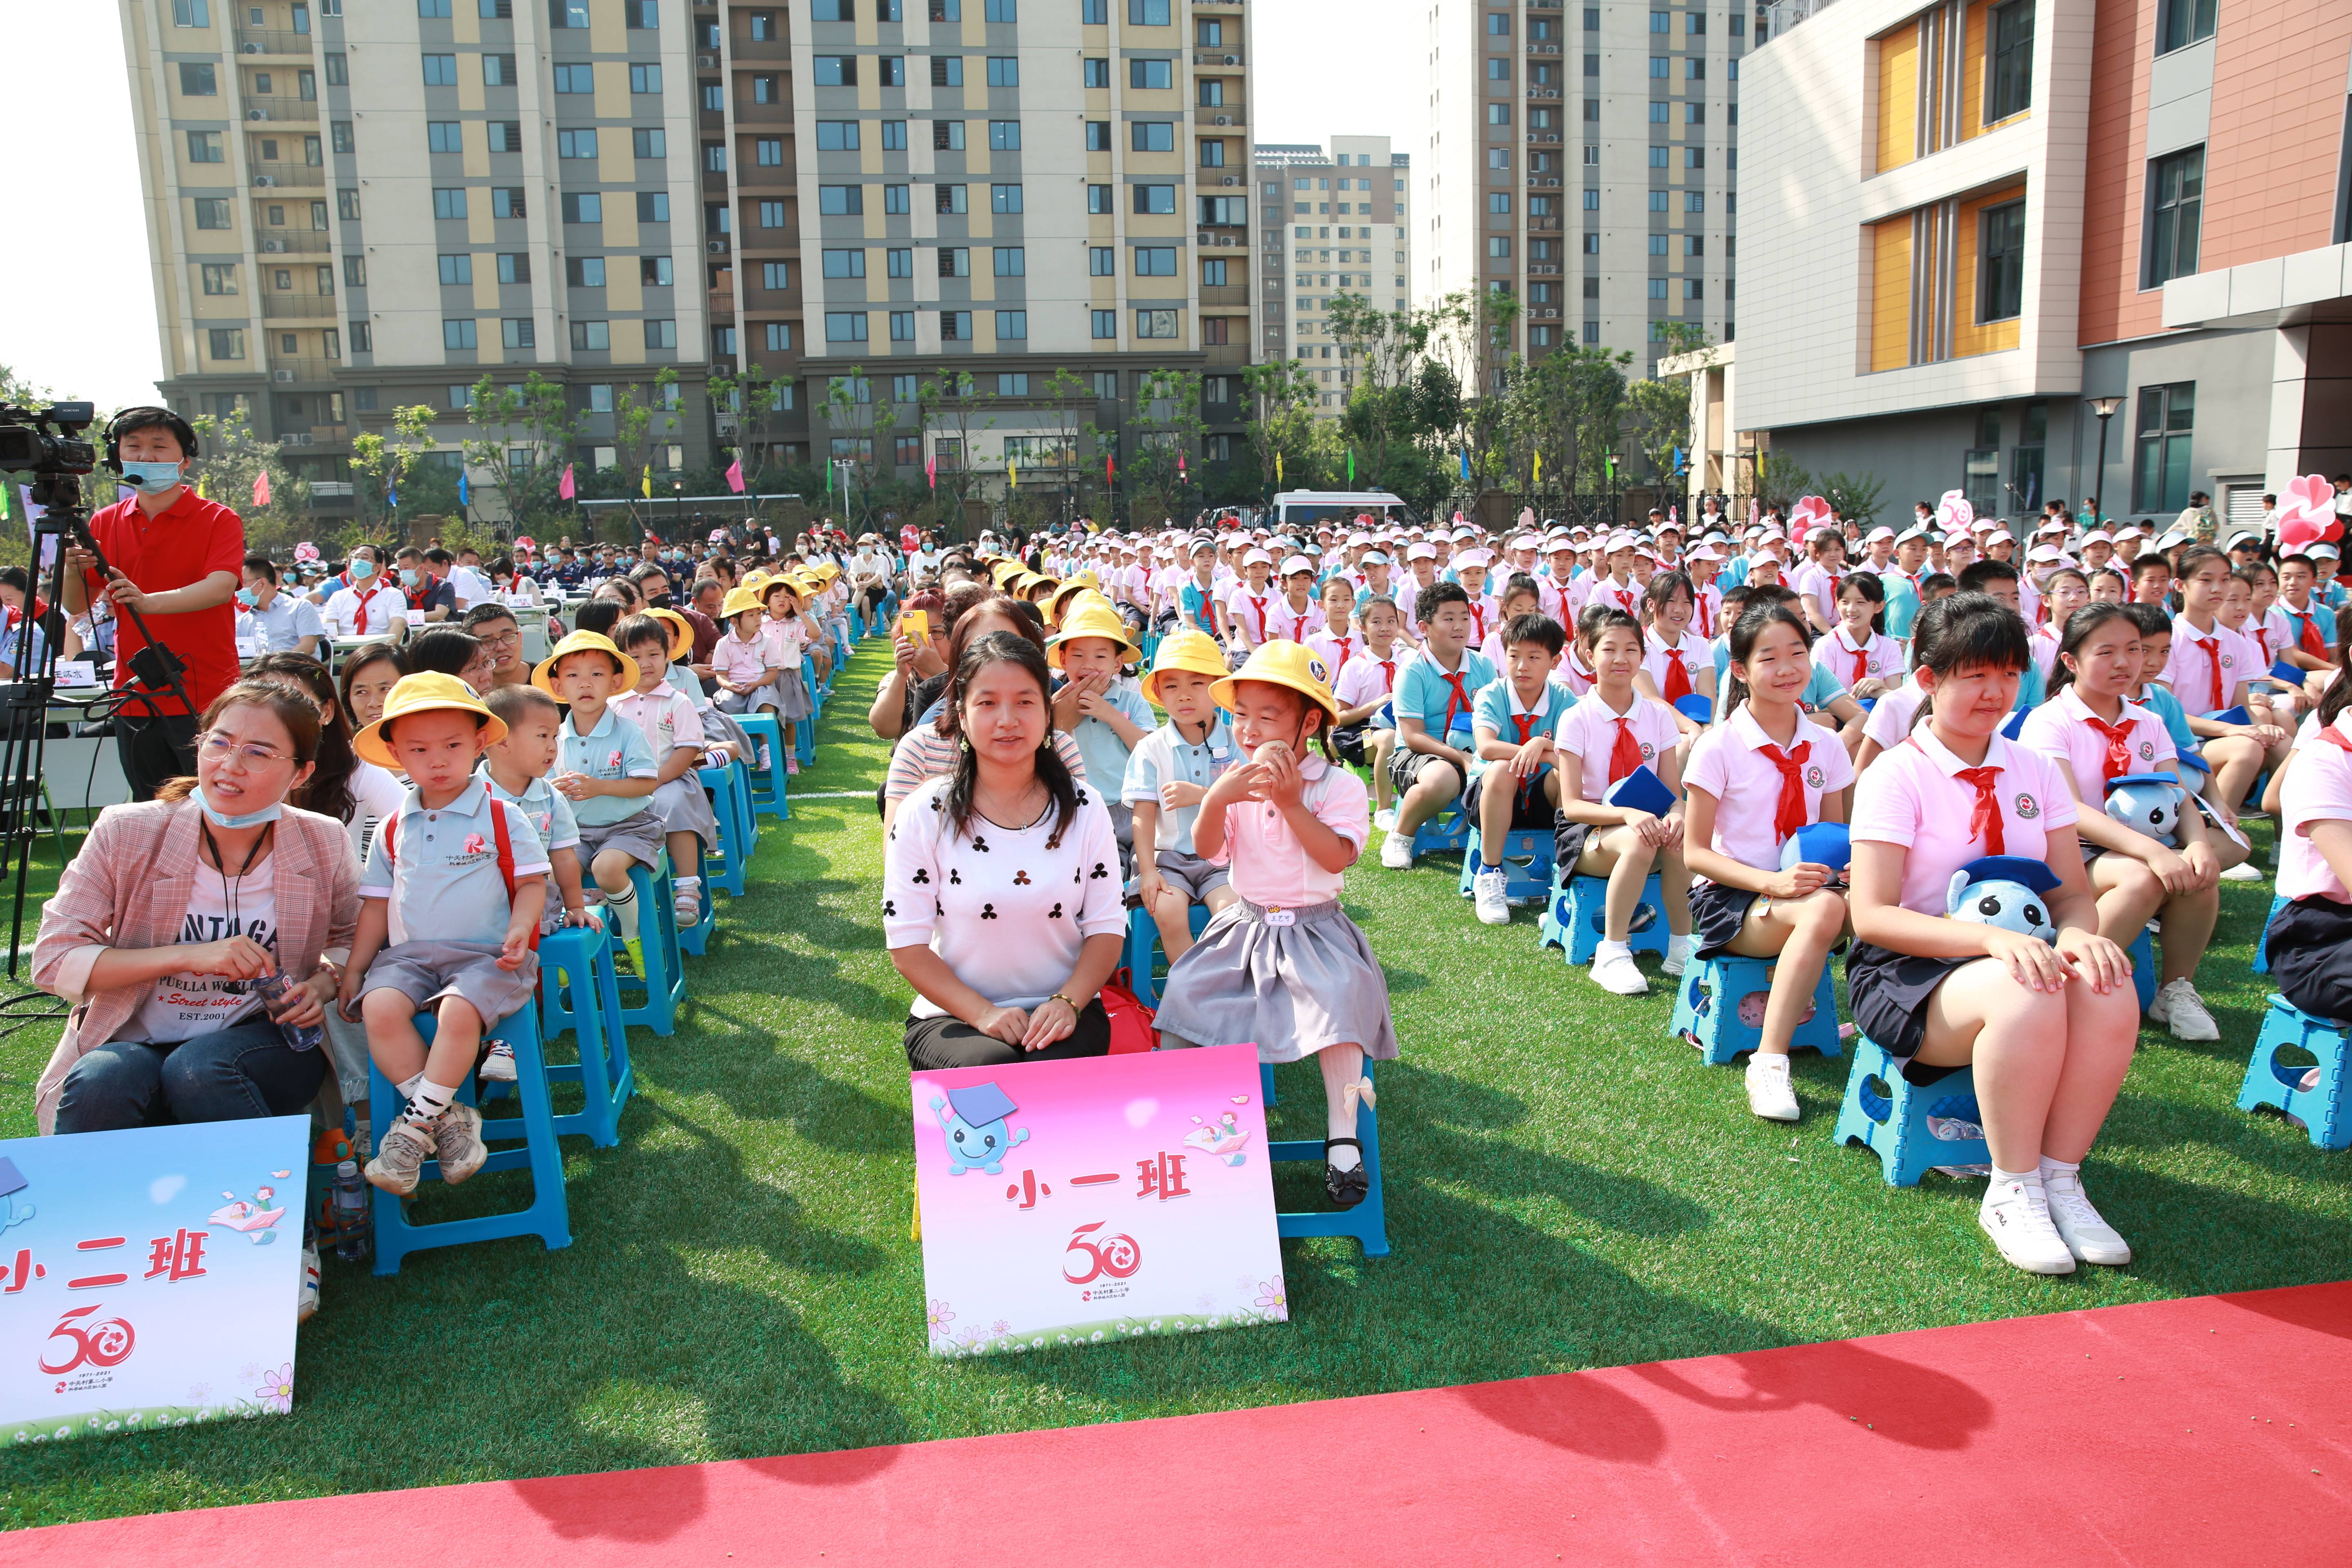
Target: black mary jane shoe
1345,1188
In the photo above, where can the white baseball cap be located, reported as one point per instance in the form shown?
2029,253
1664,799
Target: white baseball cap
1297,563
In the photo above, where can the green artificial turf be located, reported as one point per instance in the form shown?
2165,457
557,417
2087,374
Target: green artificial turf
1567,1187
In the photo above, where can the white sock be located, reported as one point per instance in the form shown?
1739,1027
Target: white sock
686,887
2059,1170
1606,950
2001,1178
1344,1158
427,1100
624,905
1678,944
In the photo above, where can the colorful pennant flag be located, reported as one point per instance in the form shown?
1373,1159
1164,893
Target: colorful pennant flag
646,487
464,491
567,490
931,469
1012,473
262,488
1539,467
735,476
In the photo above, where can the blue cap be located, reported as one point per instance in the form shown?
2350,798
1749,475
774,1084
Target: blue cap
2035,876
2116,783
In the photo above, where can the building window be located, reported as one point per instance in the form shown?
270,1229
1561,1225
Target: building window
440,70
1155,199
949,199
457,334
191,13
902,326
955,326
1012,326
1106,326
1147,13
457,269
1096,73
767,151
2176,201
772,214
662,334
644,79
2161,460
583,206
1151,136
514,267
575,79
2008,78
844,326
520,332
1155,323
780,336
1004,198
1011,261
831,136
840,200
2184,22
1152,76
1005,136
844,263
2001,263
653,206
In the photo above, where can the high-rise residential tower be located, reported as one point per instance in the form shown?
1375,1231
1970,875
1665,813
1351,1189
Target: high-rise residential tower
1330,221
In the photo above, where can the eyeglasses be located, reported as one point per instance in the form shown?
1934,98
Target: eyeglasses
503,639
218,748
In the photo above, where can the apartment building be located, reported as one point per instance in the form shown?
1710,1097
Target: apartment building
355,205
1009,195
2015,218
1586,159
1297,187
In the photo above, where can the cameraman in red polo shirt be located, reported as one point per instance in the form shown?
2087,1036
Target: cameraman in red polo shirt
176,559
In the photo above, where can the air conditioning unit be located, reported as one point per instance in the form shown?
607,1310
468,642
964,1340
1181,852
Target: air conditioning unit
281,375
718,247
273,246
1224,119
706,62
1232,60
256,114
1230,179
250,49
265,180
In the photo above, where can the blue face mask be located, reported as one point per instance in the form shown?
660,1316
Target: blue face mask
245,597
363,569
270,813
407,577
150,478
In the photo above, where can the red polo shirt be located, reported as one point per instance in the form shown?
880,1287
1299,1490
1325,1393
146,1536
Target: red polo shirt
186,543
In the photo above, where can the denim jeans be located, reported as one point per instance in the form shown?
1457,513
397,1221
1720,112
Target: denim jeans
234,1074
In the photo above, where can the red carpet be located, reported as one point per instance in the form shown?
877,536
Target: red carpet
2211,1431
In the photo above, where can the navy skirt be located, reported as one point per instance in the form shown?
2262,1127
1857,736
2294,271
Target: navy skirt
2311,956
1887,993
1716,914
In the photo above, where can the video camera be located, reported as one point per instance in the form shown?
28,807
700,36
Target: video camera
44,442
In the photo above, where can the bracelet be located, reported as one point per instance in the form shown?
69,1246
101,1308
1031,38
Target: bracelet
1065,1001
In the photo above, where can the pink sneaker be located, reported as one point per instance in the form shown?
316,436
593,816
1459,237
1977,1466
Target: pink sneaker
791,766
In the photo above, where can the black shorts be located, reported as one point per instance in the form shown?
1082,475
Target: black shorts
949,1042
1349,744
2311,956
1887,993
1531,812
1717,913
1405,766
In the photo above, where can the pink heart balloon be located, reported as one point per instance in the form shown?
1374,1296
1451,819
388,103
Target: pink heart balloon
2307,513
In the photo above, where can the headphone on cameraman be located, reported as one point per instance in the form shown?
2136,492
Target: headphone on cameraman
178,426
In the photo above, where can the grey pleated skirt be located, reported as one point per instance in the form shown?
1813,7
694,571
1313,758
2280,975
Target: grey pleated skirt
683,808
1291,989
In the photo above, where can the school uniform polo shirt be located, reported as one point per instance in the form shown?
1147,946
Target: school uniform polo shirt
1446,708
1729,763
1165,757
186,544
614,749
1501,714
443,878
1106,754
1910,797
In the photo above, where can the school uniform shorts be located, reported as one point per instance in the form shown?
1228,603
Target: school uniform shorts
1183,868
637,834
425,971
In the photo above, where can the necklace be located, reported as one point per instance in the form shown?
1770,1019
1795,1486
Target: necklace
231,892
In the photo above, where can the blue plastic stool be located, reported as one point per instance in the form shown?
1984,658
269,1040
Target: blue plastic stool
723,867
2262,942
578,991
1574,913
2143,957
1527,859
1448,830
692,939
805,732
1890,1120
1265,1085
1143,950
664,983
1368,1222
547,1217
768,791
2319,1108
1709,1010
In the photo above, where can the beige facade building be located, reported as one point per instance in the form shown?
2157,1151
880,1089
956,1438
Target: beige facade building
1333,220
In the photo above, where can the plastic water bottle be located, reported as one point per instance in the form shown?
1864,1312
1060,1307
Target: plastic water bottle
354,1224
274,990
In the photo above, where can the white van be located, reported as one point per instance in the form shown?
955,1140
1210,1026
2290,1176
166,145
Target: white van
1305,508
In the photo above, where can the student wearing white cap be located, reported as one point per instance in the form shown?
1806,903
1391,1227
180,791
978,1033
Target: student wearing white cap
1295,616
1247,606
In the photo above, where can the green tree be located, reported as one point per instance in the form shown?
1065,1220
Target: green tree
385,465
1658,420
1853,495
522,435
1779,480
1282,420
1566,409
234,458
1382,351
864,421
1168,429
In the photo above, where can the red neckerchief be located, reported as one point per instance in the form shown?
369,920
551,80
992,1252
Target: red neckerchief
1625,752
2117,762
1789,811
1678,681
1984,816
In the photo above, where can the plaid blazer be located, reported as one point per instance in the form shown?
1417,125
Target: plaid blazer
129,886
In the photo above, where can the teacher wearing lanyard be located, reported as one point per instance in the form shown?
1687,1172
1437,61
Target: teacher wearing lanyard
176,559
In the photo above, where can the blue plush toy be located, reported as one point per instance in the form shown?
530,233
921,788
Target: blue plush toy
2147,803
2006,890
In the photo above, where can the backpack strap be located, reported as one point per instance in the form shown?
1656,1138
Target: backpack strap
507,858
391,837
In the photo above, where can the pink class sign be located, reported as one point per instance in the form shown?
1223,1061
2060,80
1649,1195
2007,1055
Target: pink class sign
1111,1197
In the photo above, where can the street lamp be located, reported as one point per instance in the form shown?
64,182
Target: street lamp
677,507
2105,407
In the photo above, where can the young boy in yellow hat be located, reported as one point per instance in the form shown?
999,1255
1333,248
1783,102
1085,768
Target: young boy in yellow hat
1111,720
606,771
1167,775
456,880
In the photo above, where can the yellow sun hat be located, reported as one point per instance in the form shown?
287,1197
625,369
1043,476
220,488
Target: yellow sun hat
1092,620
582,642
419,694
1004,571
1196,651
739,600
1279,663
681,631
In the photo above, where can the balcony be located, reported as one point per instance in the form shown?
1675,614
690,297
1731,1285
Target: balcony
1544,271
1230,294
1542,182
278,305
294,242
285,370
1536,137
329,436
741,48
287,111
1543,92
1543,49
1211,236
265,41
1216,58
267,177
1219,117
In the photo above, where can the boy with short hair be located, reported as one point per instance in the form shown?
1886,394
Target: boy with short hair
672,727
516,769
1112,718
1513,785
1435,701
454,882
1362,689
1168,774
2151,577
608,772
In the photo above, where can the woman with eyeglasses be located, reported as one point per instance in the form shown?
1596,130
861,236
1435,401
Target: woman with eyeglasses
170,913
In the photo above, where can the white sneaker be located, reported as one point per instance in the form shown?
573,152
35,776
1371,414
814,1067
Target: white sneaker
2243,871
1678,954
2017,1217
1769,1093
306,1294
2087,1236
2179,1008
499,1067
1616,972
1385,819
1490,895
1396,851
